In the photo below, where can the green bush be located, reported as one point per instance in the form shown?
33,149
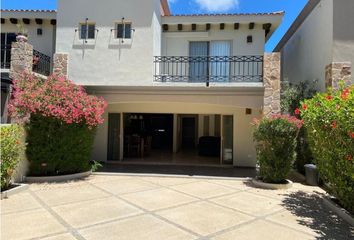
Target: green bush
291,97
276,144
329,119
11,151
57,148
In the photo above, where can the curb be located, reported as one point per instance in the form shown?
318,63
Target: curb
272,186
19,188
341,212
61,178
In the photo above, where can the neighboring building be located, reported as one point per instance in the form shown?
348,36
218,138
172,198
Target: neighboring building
319,46
180,89
41,28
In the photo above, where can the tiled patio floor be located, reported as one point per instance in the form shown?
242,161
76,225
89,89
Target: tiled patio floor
142,207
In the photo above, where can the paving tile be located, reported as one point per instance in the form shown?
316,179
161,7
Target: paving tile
167,181
297,222
141,227
262,230
29,224
106,178
91,212
19,202
203,189
69,195
158,199
237,184
126,186
59,185
65,236
279,194
250,203
204,218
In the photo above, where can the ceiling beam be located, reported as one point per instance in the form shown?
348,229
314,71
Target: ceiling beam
39,21
13,20
207,26
251,25
236,26
26,20
222,26
194,27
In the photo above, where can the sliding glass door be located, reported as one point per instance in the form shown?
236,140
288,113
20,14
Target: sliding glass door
198,66
209,61
219,64
227,131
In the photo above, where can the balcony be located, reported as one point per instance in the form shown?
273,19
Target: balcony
208,69
41,62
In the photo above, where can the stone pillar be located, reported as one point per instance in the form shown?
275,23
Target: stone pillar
337,72
271,81
21,59
60,64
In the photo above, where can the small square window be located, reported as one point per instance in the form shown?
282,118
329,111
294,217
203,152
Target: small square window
124,30
87,31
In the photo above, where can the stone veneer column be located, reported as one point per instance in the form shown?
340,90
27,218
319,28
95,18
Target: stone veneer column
271,81
337,72
21,59
60,64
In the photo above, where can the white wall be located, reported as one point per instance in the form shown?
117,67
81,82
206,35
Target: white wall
343,32
244,150
43,43
105,60
309,50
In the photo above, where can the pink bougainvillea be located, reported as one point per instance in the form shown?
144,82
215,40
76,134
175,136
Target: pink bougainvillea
56,97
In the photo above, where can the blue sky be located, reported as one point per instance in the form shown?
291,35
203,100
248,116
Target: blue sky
291,8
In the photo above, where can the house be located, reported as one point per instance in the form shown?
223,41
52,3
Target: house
319,46
181,89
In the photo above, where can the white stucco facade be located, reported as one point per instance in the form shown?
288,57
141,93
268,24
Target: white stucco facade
309,50
44,43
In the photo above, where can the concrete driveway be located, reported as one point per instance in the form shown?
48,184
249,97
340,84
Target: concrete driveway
146,207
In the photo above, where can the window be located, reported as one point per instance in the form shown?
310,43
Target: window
87,31
124,30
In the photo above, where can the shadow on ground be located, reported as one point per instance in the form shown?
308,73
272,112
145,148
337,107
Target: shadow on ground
179,170
316,216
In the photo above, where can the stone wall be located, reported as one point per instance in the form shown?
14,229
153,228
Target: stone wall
337,72
60,64
21,59
271,80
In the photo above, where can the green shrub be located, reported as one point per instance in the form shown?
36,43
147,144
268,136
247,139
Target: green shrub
11,150
57,148
329,119
291,97
276,143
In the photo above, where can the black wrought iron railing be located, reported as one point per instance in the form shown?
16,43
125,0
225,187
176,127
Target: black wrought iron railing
41,63
5,55
208,69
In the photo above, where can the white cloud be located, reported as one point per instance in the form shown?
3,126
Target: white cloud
217,5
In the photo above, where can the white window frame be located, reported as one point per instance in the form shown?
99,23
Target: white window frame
87,24
123,23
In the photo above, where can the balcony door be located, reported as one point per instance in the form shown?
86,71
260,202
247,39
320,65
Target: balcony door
198,66
219,62
209,61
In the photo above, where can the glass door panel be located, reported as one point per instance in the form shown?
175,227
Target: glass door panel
227,139
219,64
113,137
198,65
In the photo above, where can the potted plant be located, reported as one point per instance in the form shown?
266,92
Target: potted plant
275,138
22,35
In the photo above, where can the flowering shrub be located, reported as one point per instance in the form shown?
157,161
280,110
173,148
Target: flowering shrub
276,142
329,118
55,97
11,151
61,119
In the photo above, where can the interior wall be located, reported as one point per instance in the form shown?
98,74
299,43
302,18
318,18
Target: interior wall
244,151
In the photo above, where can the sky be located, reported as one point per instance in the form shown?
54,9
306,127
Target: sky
291,7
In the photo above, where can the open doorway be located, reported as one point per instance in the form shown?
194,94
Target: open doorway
145,134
